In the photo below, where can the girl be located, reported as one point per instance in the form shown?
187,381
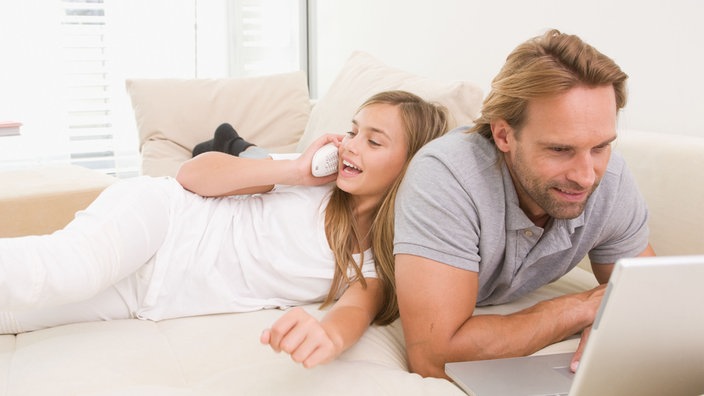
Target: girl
244,234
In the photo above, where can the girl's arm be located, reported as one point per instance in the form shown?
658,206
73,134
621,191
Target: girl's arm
214,174
312,342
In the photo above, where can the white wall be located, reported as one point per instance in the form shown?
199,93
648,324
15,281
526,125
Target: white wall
658,43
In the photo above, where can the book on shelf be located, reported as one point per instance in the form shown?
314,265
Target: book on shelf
10,128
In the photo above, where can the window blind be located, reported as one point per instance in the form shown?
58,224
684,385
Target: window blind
87,90
67,87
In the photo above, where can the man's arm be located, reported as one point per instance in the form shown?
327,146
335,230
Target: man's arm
602,272
437,301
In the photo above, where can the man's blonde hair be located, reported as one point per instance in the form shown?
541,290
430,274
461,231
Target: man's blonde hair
544,66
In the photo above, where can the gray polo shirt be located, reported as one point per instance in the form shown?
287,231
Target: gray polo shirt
457,205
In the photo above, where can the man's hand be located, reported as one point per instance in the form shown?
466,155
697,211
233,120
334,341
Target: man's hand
303,337
602,273
574,363
594,296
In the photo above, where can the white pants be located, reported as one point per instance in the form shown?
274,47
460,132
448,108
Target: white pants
70,275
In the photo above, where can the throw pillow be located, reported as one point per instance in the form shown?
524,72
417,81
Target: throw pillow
363,76
173,115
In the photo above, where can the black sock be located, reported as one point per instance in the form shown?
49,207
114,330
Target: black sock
225,140
203,147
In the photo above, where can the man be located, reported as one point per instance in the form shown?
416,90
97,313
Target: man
488,214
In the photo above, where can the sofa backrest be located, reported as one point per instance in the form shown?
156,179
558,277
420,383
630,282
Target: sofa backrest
669,171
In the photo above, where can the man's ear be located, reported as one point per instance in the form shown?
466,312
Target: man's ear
500,131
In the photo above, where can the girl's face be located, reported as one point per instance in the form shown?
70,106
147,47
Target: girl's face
373,153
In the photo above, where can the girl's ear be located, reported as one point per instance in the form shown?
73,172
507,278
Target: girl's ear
501,131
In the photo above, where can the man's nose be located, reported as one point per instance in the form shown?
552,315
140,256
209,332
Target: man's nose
582,170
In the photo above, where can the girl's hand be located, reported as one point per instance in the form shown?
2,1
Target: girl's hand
303,337
306,158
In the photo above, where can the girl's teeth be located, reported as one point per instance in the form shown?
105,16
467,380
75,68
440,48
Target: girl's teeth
350,165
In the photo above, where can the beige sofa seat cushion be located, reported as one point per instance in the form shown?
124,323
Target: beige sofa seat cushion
363,76
221,355
173,115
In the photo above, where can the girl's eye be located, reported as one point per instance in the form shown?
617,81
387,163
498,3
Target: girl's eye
374,143
350,133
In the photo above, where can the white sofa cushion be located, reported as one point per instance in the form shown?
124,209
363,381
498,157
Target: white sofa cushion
363,76
173,115
221,355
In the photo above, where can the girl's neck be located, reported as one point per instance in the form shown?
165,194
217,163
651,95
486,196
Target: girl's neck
363,212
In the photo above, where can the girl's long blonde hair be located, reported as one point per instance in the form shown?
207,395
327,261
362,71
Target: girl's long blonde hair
422,121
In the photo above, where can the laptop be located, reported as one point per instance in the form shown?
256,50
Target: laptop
647,339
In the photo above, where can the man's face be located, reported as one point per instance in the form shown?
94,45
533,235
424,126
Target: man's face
560,154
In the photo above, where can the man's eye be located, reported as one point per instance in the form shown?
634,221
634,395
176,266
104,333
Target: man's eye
599,149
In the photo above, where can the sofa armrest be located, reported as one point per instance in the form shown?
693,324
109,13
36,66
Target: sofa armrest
42,200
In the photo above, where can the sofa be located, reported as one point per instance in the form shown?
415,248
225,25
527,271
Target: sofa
221,354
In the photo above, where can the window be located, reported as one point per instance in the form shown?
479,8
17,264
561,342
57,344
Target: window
87,97
267,36
66,63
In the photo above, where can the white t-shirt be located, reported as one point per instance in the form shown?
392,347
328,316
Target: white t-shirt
241,253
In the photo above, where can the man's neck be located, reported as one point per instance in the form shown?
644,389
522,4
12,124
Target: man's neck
540,221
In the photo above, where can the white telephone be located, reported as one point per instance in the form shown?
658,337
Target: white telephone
325,161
